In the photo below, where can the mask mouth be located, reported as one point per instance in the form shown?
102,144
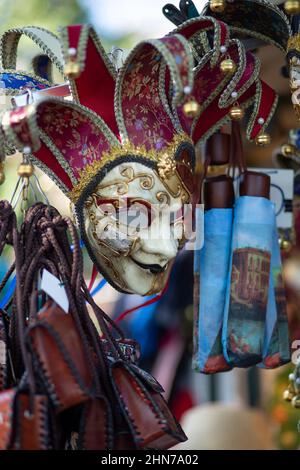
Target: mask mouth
153,268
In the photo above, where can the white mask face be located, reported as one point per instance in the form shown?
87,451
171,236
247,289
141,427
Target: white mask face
134,224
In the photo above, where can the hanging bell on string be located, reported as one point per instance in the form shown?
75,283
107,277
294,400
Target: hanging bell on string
2,174
288,395
217,6
228,66
296,401
25,170
72,67
236,113
284,244
262,140
292,7
287,150
191,108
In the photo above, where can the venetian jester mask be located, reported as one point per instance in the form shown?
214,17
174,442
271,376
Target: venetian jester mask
124,148
259,22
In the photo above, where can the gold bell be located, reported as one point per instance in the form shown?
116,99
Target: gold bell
72,69
263,139
25,170
292,7
288,395
296,401
285,245
294,61
191,108
228,66
287,150
217,6
236,113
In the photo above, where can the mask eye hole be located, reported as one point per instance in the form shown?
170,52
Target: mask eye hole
140,214
133,213
107,209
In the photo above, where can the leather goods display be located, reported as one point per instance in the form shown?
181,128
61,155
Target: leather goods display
34,423
71,385
24,424
60,355
145,410
95,428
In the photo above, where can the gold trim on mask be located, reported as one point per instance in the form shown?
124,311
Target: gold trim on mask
163,198
146,181
175,186
91,170
172,183
158,280
166,166
294,43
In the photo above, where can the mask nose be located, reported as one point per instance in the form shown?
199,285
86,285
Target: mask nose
157,243
164,250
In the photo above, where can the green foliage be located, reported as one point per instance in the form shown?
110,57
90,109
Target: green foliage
47,13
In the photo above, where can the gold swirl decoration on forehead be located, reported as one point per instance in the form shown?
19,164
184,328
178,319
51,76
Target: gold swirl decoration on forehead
169,178
162,158
146,181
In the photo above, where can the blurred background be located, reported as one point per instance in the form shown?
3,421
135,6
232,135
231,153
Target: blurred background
239,409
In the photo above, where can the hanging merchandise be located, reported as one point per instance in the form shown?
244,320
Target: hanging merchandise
145,152
125,145
267,22
256,23
211,262
58,388
127,261
254,306
245,311
255,320
55,347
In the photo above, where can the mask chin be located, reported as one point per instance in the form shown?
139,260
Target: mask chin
146,279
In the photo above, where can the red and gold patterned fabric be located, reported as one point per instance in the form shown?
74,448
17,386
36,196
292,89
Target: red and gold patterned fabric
137,113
